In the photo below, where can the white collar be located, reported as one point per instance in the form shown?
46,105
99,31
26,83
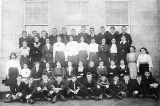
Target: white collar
123,42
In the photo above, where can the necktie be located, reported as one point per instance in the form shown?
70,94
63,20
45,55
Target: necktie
74,86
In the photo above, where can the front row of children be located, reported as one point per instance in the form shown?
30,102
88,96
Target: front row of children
31,90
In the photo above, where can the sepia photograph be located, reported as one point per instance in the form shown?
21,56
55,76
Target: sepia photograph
80,52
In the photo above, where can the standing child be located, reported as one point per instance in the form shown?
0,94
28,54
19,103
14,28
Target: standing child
83,51
123,49
59,51
24,54
144,61
48,71
131,60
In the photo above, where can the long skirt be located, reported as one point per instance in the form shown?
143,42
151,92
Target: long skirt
93,57
83,55
142,68
132,69
114,56
24,60
13,73
59,56
105,58
122,56
73,59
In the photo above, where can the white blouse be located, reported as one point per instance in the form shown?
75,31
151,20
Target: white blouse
24,52
13,63
144,58
82,46
72,48
25,72
93,47
59,46
113,48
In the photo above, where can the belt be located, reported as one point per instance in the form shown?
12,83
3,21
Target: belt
132,62
143,62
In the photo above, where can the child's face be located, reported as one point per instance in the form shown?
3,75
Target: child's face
24,34
131,49
64,31
139,78
24,44
102,30
143,51
58,39
103,78
59,79
124,30
122,62
116,78
18,79
112,63
103,41
147,74
91,31
54,31
89,77
36,39
69,63
93,40
74,79
91,64
44,34
112,30
113,41
73,32
13,56
126,78
25,66
101,63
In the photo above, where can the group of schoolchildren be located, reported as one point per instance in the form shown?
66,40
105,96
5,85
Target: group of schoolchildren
79,66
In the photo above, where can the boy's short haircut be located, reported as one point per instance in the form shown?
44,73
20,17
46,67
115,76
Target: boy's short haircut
102,27
112,27
24,32
139,76
92,28
83,27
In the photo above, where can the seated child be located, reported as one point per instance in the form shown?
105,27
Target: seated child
103,85
57,88
151,85
117,87
75,88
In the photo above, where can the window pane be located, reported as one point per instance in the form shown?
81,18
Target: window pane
109,19
84,7
124,6
109,7
36,19
28,18
44,8
117,7
36,7
28,7
125,19
44,18
117,19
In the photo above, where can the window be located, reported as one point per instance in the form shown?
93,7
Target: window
36,13
77,13
117,13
